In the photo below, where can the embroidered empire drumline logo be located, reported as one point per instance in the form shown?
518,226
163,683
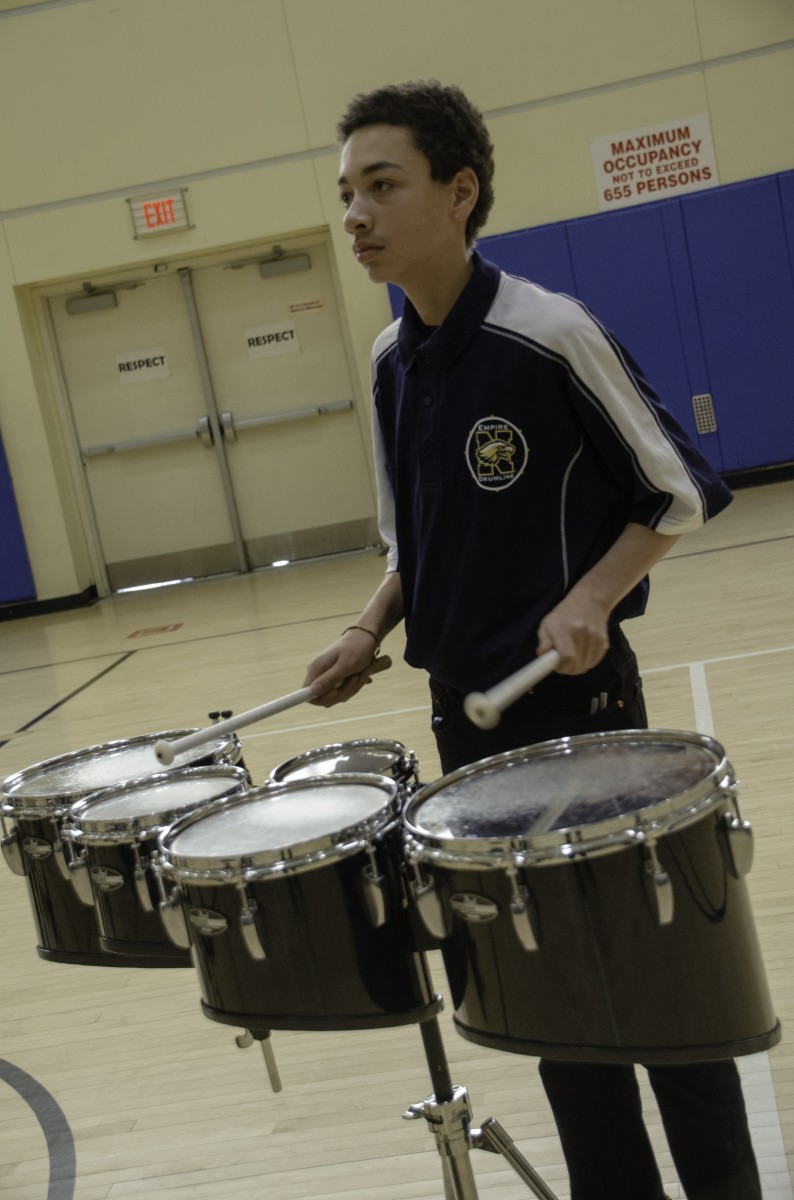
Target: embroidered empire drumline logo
496,453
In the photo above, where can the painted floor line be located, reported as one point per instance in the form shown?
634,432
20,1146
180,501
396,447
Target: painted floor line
57,1134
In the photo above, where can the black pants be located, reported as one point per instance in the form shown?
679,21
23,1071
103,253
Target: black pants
597,1106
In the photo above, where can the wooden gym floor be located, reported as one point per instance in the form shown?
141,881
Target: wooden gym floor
112,1082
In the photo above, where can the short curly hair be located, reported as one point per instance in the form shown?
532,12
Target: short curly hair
444,125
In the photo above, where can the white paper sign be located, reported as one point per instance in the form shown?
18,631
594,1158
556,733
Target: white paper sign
141,366
265,340
654,163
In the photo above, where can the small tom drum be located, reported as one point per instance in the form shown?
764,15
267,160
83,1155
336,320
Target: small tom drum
34,802
590,895
367,756
117,830
294,898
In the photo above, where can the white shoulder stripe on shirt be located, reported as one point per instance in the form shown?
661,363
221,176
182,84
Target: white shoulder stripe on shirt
563,329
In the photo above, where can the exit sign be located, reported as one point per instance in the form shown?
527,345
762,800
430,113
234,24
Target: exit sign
165,212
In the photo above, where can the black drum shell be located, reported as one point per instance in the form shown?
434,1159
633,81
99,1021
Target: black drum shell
114,849
126,929
608,983
68,930
327,967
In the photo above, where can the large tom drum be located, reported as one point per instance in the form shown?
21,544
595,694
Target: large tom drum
34,802
590,895
294,899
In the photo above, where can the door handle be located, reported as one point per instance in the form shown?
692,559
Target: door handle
204,431
227,427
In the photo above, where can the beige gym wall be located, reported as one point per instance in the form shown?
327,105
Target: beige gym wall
238,99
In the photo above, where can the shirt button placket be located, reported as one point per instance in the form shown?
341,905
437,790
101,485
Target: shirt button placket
429,436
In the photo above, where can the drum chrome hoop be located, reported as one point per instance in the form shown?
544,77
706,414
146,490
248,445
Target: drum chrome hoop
82,826
234,872
565,845
401,768
301,856
55,803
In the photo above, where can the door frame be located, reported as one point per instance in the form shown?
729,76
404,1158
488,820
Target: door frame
54,397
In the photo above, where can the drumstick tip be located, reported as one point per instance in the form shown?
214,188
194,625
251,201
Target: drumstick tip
164,752
481,711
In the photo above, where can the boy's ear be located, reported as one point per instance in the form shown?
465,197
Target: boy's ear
466,189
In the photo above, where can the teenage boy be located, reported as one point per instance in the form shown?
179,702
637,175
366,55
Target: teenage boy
528,480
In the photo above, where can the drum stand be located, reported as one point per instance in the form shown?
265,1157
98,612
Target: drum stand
263,1037
449,1116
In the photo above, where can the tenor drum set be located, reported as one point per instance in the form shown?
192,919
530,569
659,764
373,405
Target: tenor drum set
587,896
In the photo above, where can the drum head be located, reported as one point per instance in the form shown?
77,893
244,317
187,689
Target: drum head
281,825
574,790
368,756
158,800
59,782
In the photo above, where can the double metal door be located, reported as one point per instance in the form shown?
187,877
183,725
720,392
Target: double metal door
213,407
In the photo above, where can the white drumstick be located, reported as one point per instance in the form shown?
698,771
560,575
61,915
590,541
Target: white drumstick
485,708
167,751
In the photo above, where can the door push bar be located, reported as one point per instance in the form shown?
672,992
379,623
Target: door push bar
203,430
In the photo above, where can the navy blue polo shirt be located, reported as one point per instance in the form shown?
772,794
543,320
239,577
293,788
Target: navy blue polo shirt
515,442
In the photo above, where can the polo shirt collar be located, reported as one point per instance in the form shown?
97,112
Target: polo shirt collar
442,345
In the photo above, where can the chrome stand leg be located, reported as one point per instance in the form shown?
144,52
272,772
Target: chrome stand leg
491,1136
247,1039
449,1194
271,1064
448,1114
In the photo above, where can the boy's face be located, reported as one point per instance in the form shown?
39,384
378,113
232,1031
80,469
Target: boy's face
405,226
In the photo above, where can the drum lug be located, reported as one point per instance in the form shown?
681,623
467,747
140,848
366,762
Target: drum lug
251,938
12,851
373,886
173,918
142,889
736,844
141,882
658,886
522,910
13,854
428,904
62,860
81,879
170,908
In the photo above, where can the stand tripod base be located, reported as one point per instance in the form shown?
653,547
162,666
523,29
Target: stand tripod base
450,1123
